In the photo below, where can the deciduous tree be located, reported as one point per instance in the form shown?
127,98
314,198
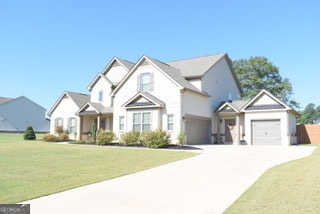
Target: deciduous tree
258,73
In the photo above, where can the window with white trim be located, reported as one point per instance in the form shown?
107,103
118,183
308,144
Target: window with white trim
141,121
58,121
170,122
121,123
145,82
72,125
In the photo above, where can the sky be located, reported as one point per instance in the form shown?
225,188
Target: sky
51,46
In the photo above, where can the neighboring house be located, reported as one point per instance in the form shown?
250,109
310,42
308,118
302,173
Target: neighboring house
179,97
264,120
63,112
16,114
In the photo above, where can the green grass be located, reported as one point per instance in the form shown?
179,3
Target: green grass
30,169
292,187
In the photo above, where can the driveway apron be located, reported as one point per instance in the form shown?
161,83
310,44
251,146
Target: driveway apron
207,183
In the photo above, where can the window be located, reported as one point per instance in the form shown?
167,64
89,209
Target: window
145,82
58,121
146,121
58,125
121,123
170,122
72,125
141,121
100,98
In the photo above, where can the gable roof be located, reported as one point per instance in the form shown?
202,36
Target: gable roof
172,73
232,106
98,108
78,98
115,60
195,67
278,104
242,106
150,100
125,63
175,75
4,101
96,79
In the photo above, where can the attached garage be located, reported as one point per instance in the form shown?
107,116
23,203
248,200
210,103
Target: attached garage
266,132
198,130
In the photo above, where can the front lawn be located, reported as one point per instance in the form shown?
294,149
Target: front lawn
292,187
30,169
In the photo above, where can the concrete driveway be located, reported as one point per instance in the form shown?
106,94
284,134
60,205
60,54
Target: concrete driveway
207,183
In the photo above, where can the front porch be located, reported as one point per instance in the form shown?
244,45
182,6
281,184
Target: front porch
95,121
230,129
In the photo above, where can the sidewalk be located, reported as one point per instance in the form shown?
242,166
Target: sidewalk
207,183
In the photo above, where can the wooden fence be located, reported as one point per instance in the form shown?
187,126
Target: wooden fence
309,133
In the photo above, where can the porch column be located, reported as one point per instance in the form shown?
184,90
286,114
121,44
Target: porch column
79,129
237,130
98,123
218,129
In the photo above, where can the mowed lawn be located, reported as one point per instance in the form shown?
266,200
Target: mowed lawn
292,187
30,169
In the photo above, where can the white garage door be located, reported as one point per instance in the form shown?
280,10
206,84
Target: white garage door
266,132
198,131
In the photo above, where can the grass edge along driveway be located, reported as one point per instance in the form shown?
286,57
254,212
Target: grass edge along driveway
31,169
292,187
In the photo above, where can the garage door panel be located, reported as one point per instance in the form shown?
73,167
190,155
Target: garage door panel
198,131
266,132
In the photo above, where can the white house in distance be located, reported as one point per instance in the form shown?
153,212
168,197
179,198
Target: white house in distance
179,96
16,114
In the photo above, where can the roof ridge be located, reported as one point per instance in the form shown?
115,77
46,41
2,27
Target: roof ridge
189,58
76,93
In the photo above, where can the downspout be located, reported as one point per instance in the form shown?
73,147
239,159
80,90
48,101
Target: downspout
182,117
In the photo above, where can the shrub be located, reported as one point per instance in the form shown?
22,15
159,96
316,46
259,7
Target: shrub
54,138
105,137
59,130
131,138
50,138
29,134
155,139
63,137
182,139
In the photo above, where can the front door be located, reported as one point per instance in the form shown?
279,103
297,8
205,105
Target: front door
230,130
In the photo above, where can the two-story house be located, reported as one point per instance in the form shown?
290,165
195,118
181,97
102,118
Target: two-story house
181,96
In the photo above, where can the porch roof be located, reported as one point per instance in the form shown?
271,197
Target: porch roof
91,108
231,106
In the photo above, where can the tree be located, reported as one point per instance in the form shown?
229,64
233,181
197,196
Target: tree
29,134
309,114
258,73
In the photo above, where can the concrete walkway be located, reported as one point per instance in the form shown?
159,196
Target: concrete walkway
207,183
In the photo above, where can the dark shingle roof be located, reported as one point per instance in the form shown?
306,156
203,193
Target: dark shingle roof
126,63
175,74
197,66
265,107
78,98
